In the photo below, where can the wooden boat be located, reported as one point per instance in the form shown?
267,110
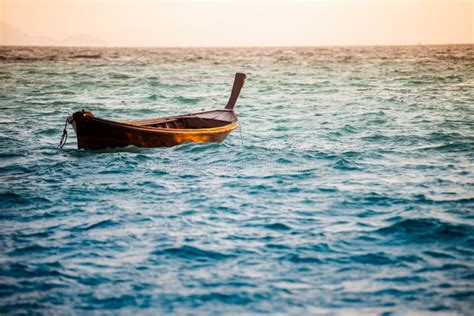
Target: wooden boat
209,126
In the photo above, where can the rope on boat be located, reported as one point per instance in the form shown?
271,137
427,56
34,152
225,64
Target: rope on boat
63,137
241,139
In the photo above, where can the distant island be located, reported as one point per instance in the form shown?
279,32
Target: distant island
13,36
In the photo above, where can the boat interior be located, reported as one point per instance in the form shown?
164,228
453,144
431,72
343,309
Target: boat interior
210,119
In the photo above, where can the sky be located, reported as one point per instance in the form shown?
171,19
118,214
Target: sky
177,23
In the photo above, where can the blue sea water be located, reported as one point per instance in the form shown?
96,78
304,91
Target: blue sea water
348,189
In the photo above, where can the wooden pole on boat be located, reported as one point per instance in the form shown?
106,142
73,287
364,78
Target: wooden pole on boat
238,84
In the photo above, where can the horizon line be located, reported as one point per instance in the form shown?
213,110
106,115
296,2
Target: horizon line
243,46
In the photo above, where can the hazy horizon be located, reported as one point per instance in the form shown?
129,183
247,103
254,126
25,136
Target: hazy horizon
232,23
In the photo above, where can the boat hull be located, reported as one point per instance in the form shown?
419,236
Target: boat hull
94,133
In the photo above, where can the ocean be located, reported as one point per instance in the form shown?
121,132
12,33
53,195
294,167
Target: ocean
349,188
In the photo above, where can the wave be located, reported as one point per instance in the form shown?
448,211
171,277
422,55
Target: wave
188,100
192,253
98,225
426,230
86,56
278,227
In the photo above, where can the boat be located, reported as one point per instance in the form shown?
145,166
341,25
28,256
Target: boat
210,126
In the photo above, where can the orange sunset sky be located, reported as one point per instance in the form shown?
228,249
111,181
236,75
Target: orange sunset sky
235,22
